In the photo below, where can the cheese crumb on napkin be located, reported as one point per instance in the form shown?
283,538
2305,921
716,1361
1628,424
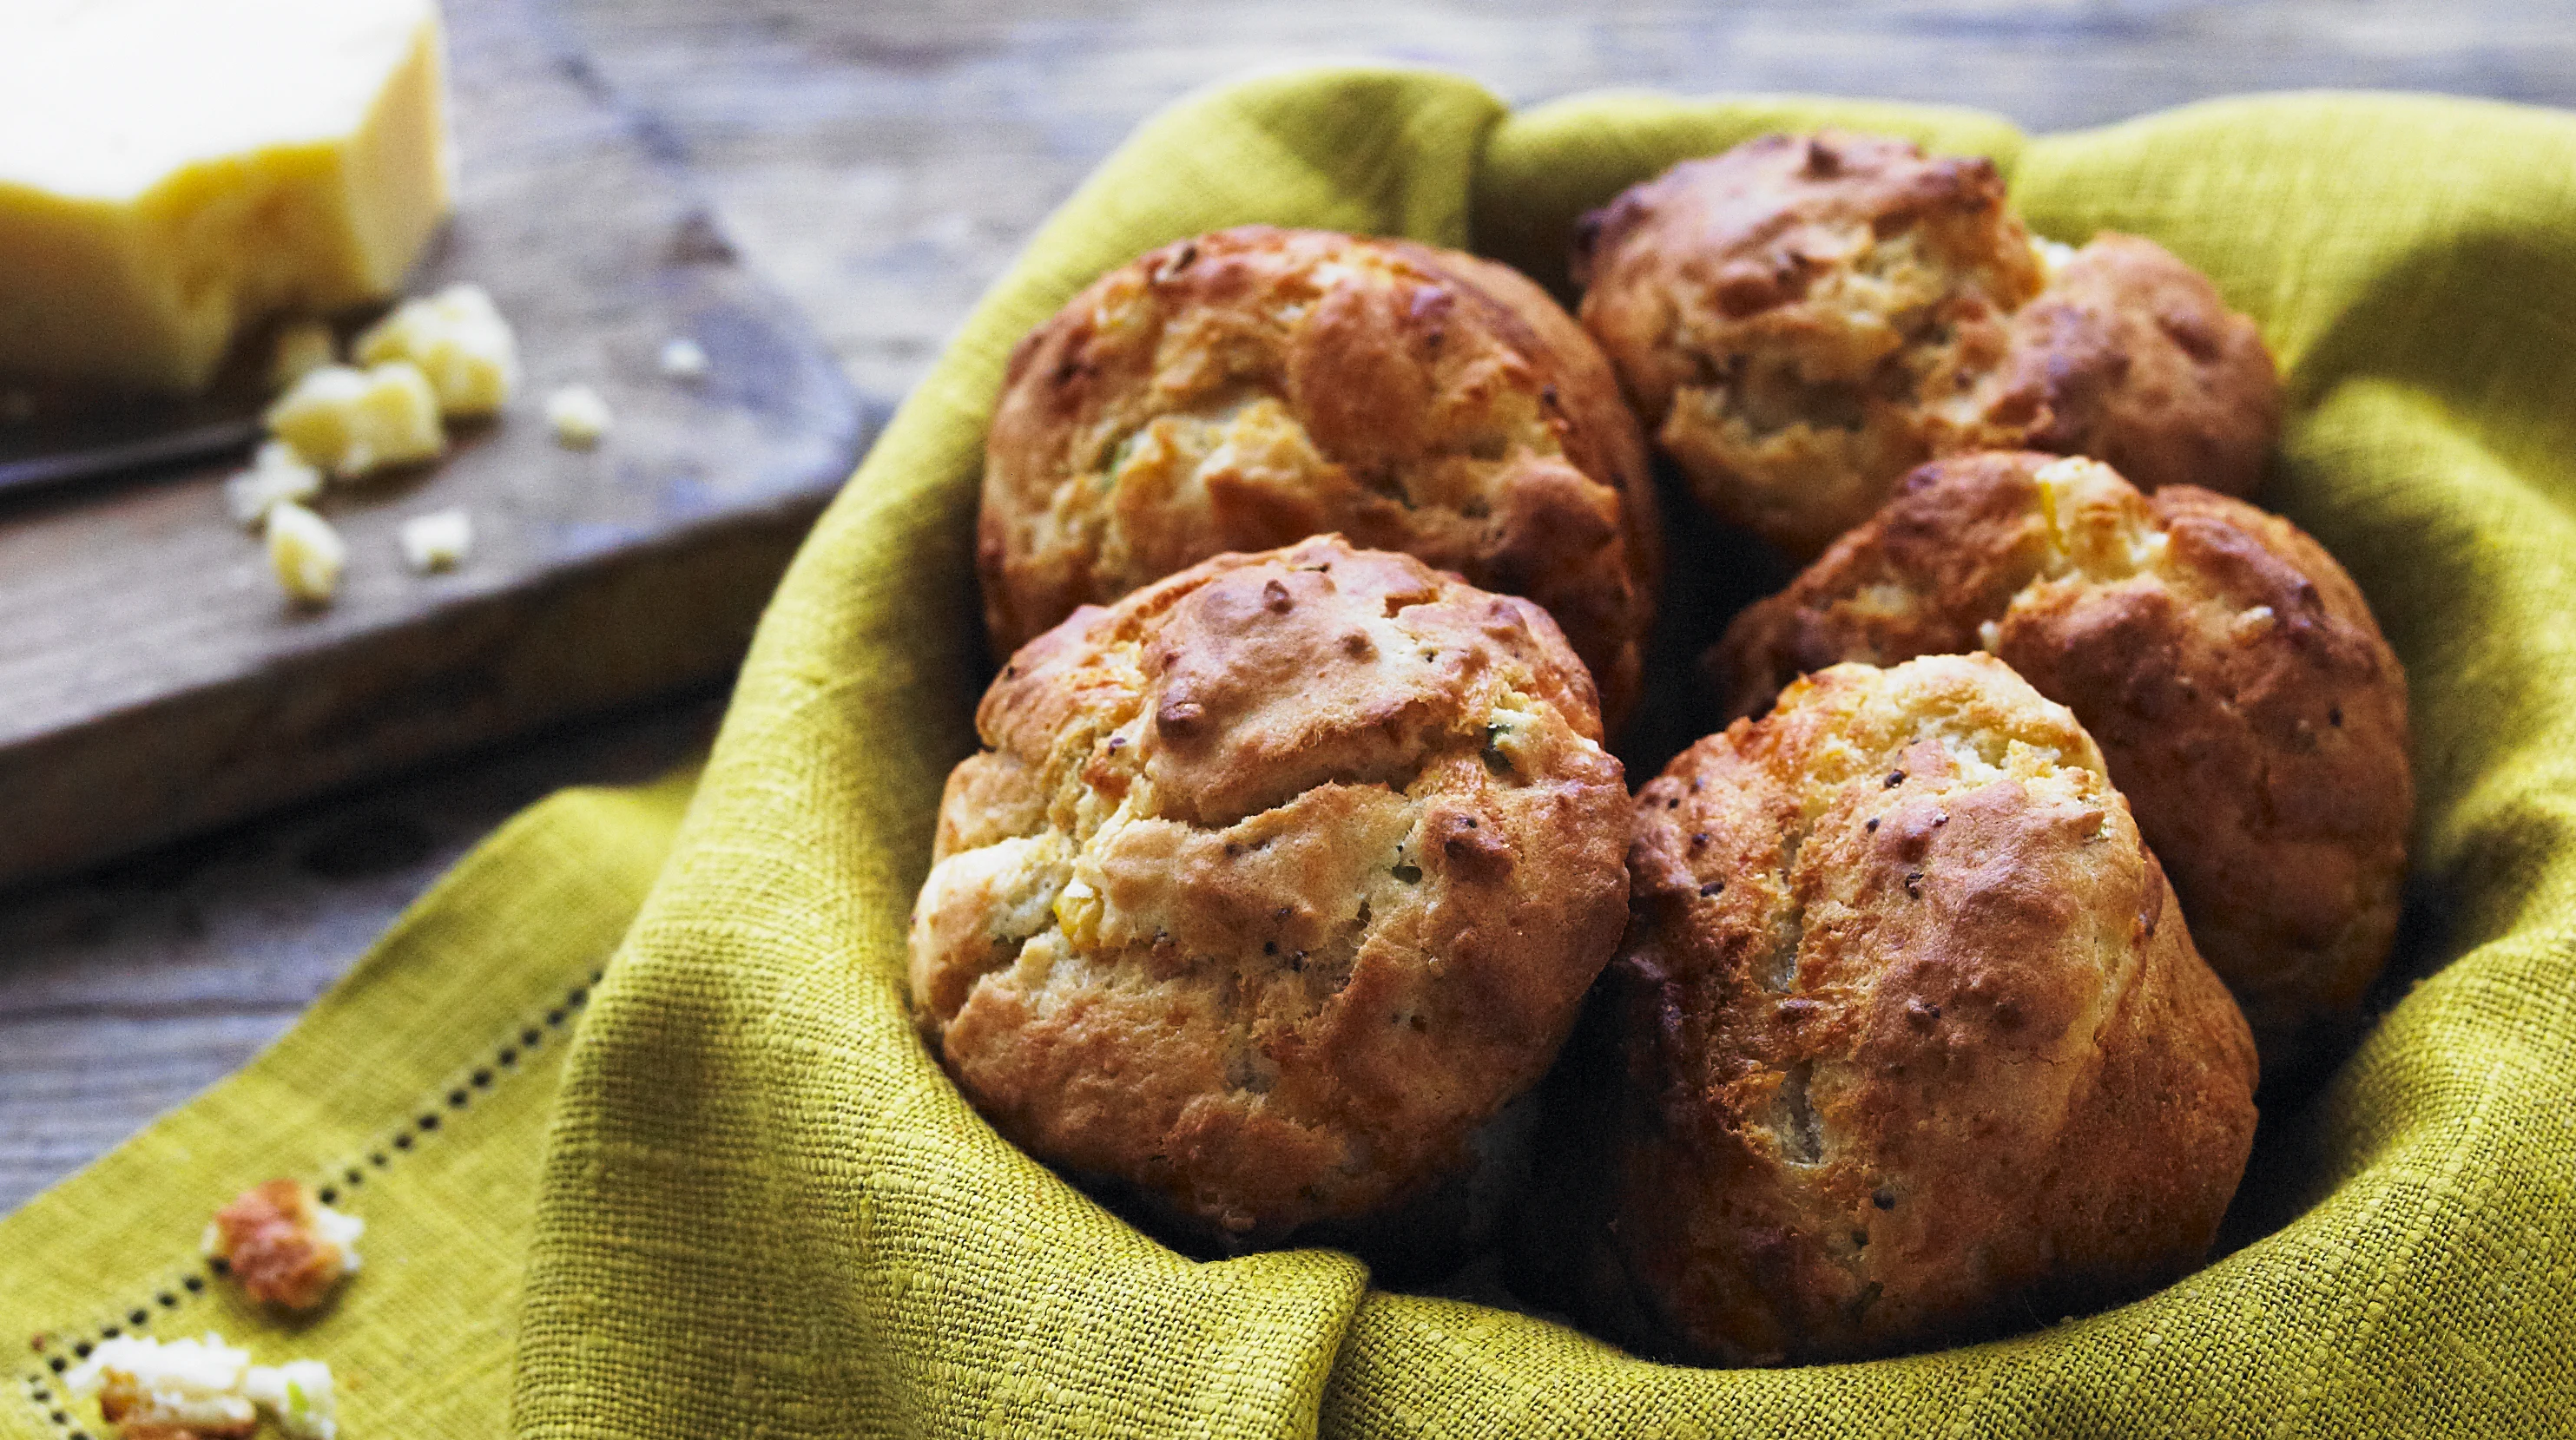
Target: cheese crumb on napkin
191,1387
176,1389
299,1394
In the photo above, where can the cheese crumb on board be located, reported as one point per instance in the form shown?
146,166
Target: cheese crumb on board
276,474
579,416
459,340
299,1394
437,541
306,553
302,348
684,359
353,422
178,1386
172,172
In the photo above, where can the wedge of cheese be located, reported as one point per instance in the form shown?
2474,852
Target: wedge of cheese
174,171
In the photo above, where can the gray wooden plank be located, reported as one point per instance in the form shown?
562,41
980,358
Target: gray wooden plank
130,988
884,162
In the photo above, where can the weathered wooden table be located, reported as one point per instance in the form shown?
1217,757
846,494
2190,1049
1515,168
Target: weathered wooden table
882,162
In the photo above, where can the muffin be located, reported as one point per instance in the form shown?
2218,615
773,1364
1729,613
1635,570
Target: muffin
2131,357
1916,1048
2231,671
1804,318
1278,880
1246,389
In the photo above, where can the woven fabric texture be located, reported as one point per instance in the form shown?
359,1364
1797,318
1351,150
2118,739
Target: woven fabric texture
417,1092
767,1213
763,1211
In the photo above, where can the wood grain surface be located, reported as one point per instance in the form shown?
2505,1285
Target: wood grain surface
881,163
156,679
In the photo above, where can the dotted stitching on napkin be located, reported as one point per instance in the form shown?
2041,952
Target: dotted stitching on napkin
43,1384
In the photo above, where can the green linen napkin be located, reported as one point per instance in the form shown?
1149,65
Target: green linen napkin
762,1210
416,1091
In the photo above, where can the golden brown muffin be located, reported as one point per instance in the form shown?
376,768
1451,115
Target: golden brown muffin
1916,1049
1803,319
2130,356
1249,388
1279,879
2252,713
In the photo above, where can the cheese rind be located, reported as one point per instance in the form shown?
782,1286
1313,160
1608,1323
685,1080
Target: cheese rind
173,171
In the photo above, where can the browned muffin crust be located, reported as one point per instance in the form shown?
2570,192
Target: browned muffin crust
2252,713
1251,387
2130,356
1280,877
1804,318
1797,318
1916,1048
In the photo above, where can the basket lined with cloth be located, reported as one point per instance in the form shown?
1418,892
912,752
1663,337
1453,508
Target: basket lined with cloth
763,1209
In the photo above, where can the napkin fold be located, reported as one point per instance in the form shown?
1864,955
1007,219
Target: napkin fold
751,1204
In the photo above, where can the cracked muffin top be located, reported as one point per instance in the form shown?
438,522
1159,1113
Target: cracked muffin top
1803,319
2251,711
1916,1044
1248,388
1278,879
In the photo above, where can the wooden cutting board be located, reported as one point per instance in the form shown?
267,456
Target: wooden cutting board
154,681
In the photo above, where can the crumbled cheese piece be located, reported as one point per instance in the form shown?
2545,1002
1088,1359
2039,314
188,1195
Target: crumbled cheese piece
2246,624
437,541
352,422
203,1388
2052,256
459,340
342,1229
306,552
299,1394
684,359
276,474
302,348
578,416
191,1386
